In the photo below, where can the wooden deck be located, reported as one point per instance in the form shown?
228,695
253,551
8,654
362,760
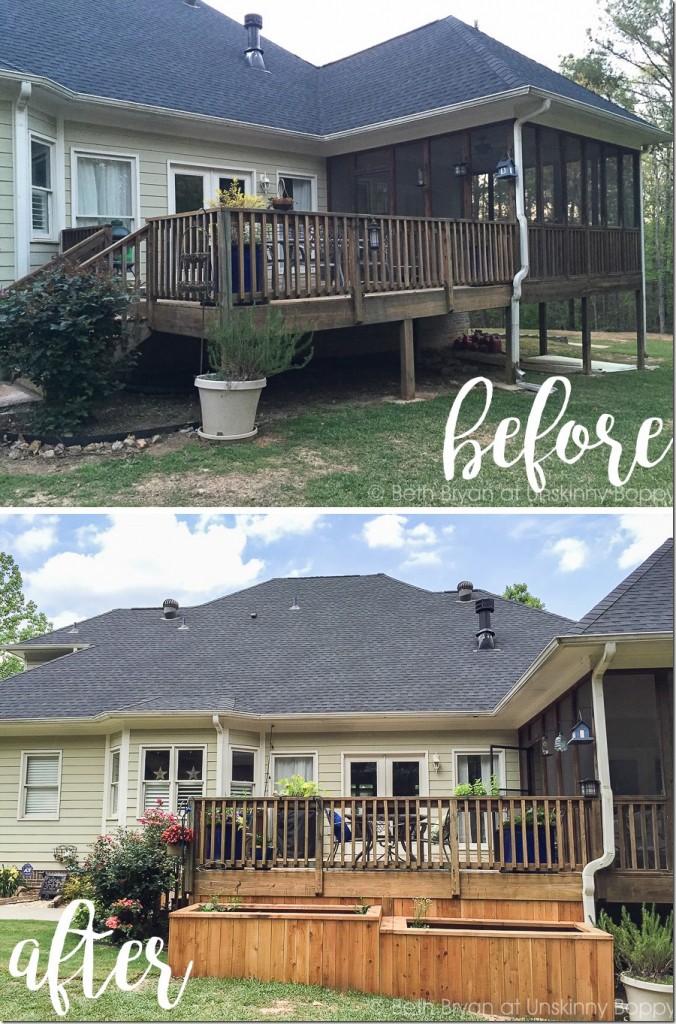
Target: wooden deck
329,270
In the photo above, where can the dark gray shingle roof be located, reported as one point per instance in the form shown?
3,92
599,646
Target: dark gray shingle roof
357,644
169,54
643,603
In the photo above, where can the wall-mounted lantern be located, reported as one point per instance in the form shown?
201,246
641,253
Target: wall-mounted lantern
460,170
420,179
436,762
589,787
374,235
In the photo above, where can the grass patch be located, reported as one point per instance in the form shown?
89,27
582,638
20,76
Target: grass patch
382,453
208,999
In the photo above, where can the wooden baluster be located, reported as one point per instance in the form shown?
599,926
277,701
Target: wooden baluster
584,850
644,836
548,834
632,837
574,862
657,856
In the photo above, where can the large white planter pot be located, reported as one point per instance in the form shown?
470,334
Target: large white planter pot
228,407
648,1001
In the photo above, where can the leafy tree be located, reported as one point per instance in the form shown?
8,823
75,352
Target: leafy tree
19,618
631,62
520,592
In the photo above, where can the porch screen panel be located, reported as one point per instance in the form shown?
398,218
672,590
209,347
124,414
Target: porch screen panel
447,189
41,785
530,171
342,183
552,192
629,192
409,163
593,161
612,191
572,149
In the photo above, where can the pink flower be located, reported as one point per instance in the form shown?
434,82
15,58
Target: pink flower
113,922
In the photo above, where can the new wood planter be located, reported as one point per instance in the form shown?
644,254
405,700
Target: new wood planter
309,945
228,407
509,968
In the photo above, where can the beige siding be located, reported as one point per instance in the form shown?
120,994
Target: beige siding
331,747
42,123
164,738
244,739
7,259
79,822
155,151
45,125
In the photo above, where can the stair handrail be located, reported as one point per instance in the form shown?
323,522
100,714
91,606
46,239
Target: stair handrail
61,257
118,244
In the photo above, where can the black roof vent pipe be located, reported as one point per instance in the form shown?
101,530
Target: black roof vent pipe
485,636
253,23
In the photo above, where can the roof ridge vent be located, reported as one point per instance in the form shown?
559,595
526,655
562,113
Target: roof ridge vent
253,23
170,608
465,590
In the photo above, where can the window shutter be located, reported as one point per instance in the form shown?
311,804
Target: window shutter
186,790
154,791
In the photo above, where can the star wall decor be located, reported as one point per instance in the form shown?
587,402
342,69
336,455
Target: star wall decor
194,773
160,774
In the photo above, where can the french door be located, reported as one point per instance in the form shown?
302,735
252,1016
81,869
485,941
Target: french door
386,775
191,188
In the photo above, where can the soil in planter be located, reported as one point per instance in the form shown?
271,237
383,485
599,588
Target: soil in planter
553,927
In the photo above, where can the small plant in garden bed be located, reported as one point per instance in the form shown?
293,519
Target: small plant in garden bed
63,331
645,952
421,906
10,880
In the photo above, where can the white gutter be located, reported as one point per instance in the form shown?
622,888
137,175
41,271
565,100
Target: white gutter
522,273
607,823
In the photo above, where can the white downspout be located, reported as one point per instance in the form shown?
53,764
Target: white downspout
219,754
523,228
641,222
22,182
607,824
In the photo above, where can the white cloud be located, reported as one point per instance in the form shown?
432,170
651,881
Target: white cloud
572,553
640,534
386,531
302,570
139,559
422,534
35,540
416,559
273,526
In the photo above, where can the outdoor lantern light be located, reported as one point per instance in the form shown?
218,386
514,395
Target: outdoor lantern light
544,747
589,787
421,177
436,762
460,170
561,743
581,732
374,235
264,183
506,168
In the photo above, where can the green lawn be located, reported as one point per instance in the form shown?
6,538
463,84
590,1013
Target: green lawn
206,999
383,453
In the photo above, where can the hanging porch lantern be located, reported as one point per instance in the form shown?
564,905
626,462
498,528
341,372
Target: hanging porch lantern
589,787
506,168
581,732
460,170
374,235
545,749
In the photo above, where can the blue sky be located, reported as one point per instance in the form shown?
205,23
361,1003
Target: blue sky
76,565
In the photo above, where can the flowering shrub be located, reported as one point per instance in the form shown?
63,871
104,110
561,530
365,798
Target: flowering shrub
10,880
125,920
177,834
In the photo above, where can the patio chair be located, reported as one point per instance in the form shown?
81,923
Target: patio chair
341,830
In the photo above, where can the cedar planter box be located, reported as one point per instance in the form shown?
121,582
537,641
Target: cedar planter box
309,945
522,969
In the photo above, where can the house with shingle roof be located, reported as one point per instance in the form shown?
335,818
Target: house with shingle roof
459,174
383,694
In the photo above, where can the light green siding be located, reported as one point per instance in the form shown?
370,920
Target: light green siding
7,258
44,124
79,821
165,738
155,151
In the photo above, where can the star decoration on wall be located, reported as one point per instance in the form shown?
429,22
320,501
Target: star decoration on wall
160,774
194,773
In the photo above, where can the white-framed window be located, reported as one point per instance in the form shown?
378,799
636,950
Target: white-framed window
404,774
171,774
42,187
283,766
470,766
105,188
242,771
301,188
114,784
191,186
40,784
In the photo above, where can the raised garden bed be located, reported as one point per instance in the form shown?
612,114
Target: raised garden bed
332,946
528,969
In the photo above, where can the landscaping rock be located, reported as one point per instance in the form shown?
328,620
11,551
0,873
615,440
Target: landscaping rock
116,446
91,447
48,453
155,438
130,441
141,443
34,447
15,453
74,449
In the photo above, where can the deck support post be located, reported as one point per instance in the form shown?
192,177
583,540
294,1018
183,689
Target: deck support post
319,846
407,358
224,266
586,336
510,365
542,325
640,330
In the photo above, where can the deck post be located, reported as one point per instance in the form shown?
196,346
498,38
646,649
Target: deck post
453,841
542,324
319,846
224,266
510,365
586,336
640,330
407,358
151,272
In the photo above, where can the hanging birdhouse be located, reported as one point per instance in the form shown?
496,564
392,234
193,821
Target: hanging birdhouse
581,732
506,168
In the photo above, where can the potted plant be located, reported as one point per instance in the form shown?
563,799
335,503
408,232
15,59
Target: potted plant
536,825
214,821
645,958
175,837
242,356
282,201
295,820
234,198
465,790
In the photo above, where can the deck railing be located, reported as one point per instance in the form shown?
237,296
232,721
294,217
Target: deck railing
260,255
578,250
643,839
397,833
